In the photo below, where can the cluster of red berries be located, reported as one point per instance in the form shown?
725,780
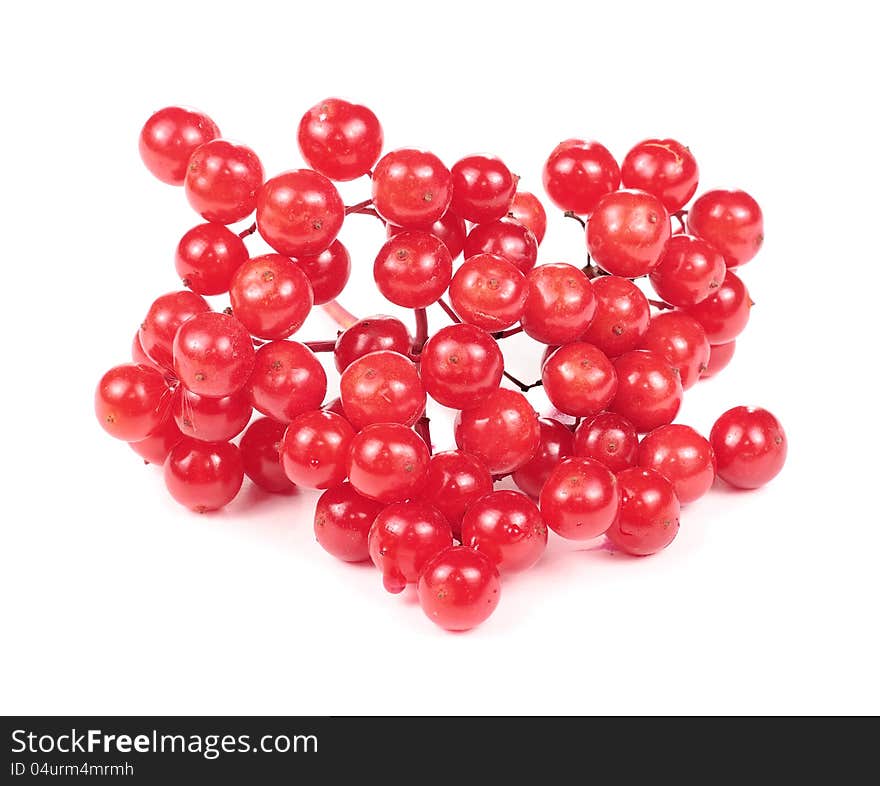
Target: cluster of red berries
611,364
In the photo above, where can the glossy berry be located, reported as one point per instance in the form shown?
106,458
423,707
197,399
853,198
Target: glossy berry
557,443
287,380
154,449
260,448
459,588
488,292
404,536
689,271
211,419
608,438
504,238
731,221
502,430
328,272
222,180
132,401
621,318
579,501
382,387
628,232
560,303
271,296
170,137
203,476
455,480
482,189
579,379
450,228
461,365
213,354
648,520
411,188
507,527
388,462
528,210
662,167
413,269
370,335
339,139
343,519
649,390
750,447
315,448
167,313
207,257
683,457
681,341
299,212
139,356
578,174
725,313
720,356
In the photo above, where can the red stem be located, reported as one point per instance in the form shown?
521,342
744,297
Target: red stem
509,332
321,346
423,429
340,315
576,217
449,312
522,385
358,207
661,305
421,330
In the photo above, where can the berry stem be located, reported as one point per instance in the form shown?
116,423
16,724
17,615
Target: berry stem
421,330
679,216
365,208
576,217
449,312
423,429
340,315
522,385
321,346
249,231
509,332
661,305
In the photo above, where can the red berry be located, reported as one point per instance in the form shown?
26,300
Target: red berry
649,510
315,448
339,139
528,210
507,527
454,481
608,438
213,354
689,271
163,320
662,167
343,519
299,212
204,476
502,430
388,462
370,335
578,174
649,391
170,137
287,380
139,356
382,387
461,365
404,536
260,448
156,447
328,272
449,228
411,188
731,221
750,447
681,341
560,303
621,318
719,357
488,292
579,379
504,238
132,401
725,313
211,419
207,258
628,232
459,588
222,180
683,457
413,269
579,501
557,443
482,188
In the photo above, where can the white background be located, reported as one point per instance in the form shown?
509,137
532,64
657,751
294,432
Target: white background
115,600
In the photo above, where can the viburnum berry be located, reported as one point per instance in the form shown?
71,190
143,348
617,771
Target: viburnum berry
608,438
689,271
488,292
730,221
681,341
750,447
388,462
649,390
648,519
370,335
204,476
459,588
449,228
167,313
139,356
482,189
411,188
314,450
455,480
211,419
579,501
621,317
328,272
131,401
382,387
287,380
557,443
170,137
260,448
343,519
154,449
683,457
559,305
662,167
528,210
404,536
579,379
339,139
222,180
720,356
505,238
207,257
725,313
578,174
413,269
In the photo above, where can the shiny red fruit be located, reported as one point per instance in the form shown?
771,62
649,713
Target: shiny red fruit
488,292
211,419
370,335
204,476
388,462
170,137
507,527
450,228
411,188
750,447
725,313
139,356
459,588
413,269
557,443
156,447
167,313
681,341
260,448
731,221
689,271
648,520
560,303
131,401
683,457
315,449
579,501
482,188
328,272
222,180
649,390
621,318
461,365
608,438
382,387
578,174
528,210
455,480
504,238
579,379
662,167
287,380
207,257
343,519
720,356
